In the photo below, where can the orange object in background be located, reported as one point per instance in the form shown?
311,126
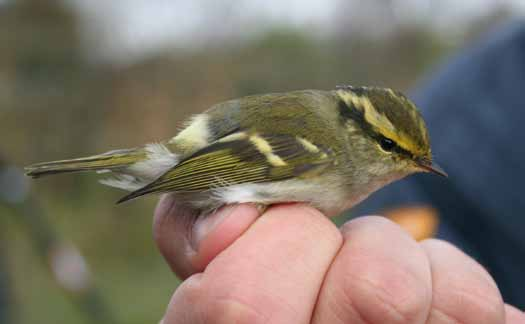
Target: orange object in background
420,221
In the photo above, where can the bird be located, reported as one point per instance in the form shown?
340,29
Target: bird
328,148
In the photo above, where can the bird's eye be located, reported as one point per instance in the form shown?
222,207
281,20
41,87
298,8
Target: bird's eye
387,144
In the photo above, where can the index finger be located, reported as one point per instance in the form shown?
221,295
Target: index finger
273,271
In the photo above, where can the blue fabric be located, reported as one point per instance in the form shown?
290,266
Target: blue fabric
474,107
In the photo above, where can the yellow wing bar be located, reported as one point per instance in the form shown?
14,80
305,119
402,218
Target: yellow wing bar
242,158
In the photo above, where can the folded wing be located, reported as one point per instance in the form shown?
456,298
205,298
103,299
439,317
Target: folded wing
242,157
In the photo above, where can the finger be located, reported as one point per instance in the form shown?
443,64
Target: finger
272,273
188,249
514,315
463,291
380,275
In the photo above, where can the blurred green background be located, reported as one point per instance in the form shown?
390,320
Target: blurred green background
80,77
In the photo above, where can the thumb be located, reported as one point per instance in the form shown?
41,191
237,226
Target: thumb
189,249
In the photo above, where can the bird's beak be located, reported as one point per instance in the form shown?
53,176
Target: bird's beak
429,166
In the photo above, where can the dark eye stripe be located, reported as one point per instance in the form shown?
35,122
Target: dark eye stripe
389,145
347,113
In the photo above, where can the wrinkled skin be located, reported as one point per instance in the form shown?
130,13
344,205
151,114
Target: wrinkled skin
292,265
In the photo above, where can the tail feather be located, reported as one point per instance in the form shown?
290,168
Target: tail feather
107,161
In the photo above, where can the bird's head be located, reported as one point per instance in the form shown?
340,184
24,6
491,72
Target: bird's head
386,132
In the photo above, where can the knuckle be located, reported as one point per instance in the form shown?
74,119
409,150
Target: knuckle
464,291
314,223
219,303
323,227
232,310
470,305
205,301
386,296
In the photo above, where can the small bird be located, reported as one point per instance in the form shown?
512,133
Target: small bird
328,148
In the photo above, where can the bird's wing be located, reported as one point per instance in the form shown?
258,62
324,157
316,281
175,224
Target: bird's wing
242,158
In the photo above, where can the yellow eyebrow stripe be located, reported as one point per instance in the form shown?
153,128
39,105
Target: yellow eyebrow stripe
378,120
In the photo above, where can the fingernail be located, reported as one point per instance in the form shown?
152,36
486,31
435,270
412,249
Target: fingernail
205,225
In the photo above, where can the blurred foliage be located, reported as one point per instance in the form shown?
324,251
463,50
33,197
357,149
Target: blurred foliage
54,103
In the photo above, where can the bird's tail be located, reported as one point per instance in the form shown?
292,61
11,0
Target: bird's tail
108,161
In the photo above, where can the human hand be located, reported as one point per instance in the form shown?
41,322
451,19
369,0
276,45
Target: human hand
292,265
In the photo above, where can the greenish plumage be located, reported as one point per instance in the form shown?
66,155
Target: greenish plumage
239,161
328,148
110,160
